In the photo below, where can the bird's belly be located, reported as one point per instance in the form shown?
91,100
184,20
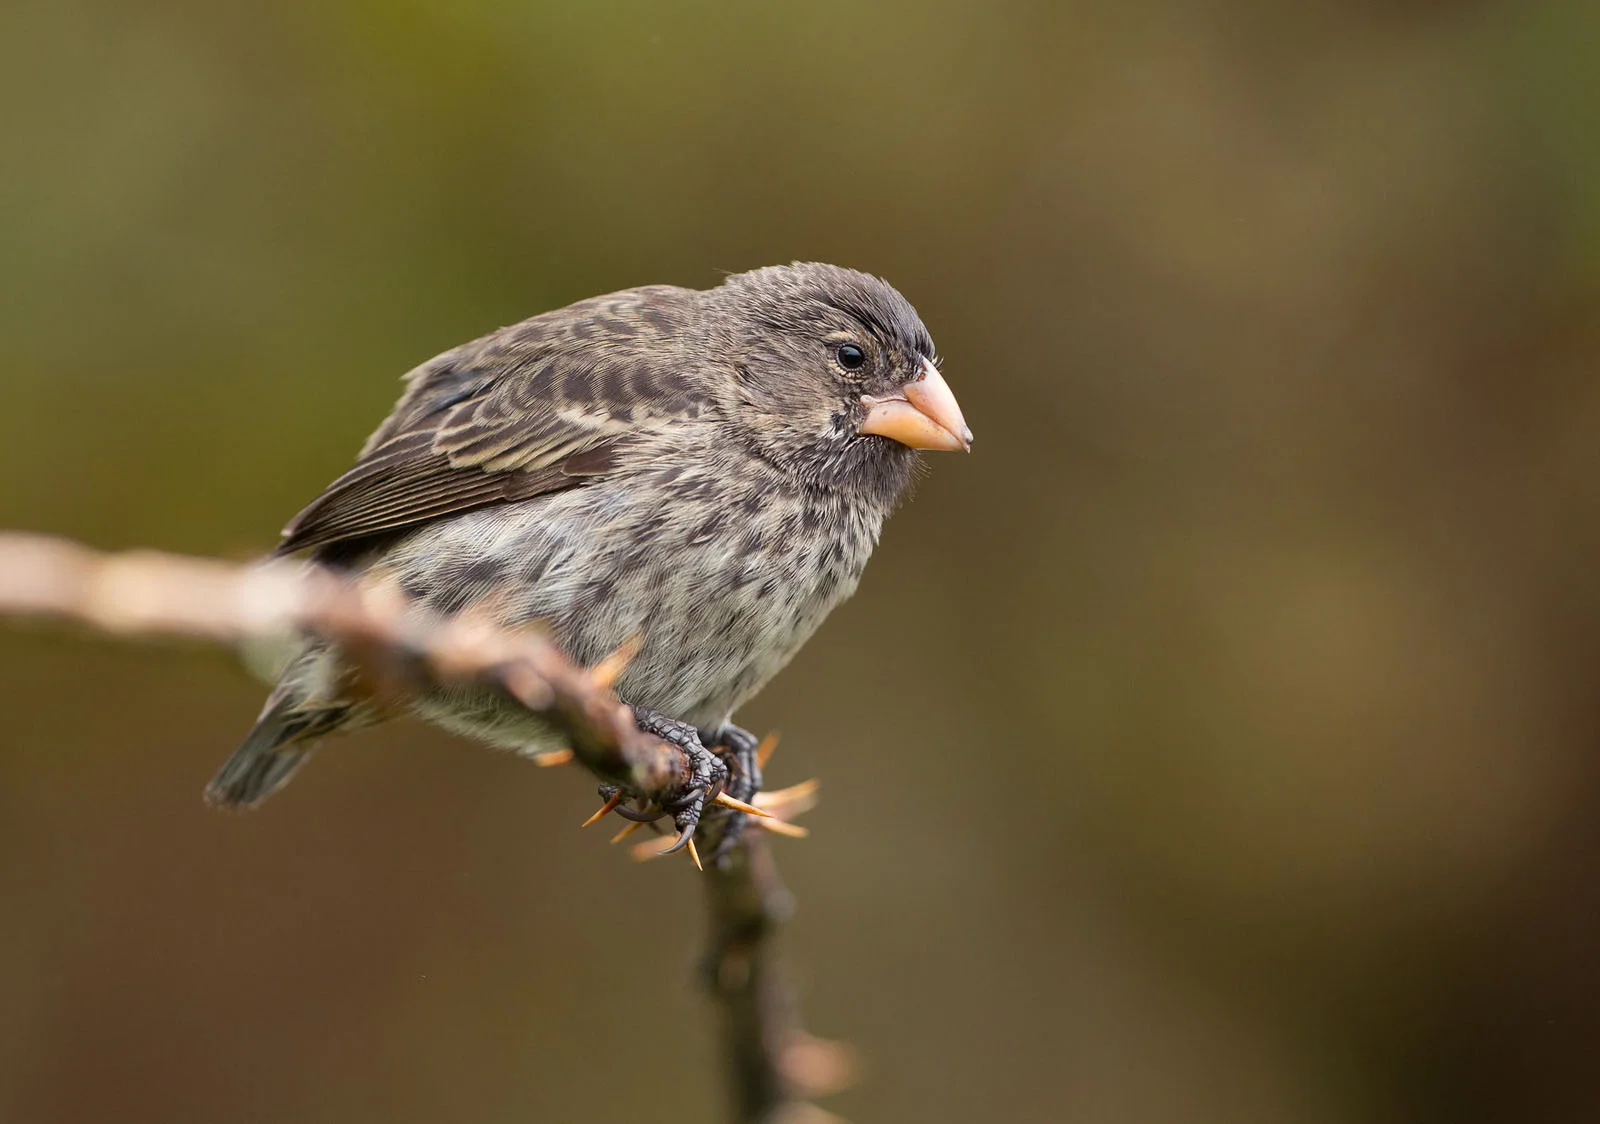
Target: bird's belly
731,626
719,602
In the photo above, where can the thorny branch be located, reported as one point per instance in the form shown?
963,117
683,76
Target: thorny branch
394,648
773,1062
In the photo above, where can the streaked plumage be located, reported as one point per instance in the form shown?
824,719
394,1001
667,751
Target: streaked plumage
683,466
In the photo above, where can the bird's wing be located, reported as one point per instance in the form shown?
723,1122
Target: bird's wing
534,408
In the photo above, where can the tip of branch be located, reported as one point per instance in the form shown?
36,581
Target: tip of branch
817,1067
804,1112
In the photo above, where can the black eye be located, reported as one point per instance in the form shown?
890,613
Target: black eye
850,357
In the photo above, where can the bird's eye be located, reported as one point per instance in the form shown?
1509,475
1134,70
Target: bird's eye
850,357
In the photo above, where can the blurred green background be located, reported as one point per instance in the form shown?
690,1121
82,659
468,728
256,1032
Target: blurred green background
1249,764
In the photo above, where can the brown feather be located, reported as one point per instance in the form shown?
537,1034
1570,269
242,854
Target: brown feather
538,407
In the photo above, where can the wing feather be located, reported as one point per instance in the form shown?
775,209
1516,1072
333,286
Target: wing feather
535,408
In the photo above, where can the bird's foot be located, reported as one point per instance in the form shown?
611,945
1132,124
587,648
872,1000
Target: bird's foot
739,750
708,776
728,775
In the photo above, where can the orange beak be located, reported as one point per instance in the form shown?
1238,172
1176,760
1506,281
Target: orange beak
922,414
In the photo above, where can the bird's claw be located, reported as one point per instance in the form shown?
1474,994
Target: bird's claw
730,776
707,774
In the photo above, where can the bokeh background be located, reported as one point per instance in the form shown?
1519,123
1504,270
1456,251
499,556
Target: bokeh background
1219,742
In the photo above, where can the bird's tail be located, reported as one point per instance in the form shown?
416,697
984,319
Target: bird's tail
277,745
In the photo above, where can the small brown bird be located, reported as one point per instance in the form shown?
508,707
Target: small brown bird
706,471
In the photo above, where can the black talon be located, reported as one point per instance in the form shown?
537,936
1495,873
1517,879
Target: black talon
708,775
734,767
681,842
648,815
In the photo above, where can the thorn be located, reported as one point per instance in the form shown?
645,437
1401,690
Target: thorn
609,670
645,851
605,809
694,853
783,827
764,750
633,826
791,801
553,758
739,805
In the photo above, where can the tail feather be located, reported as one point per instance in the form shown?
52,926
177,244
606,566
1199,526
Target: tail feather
272,752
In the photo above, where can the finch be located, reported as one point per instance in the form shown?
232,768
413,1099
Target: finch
704,472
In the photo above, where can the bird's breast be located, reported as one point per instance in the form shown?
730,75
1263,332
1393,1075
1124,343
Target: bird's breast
720,576
739,586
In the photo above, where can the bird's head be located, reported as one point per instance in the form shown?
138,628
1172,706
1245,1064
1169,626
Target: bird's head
837,378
